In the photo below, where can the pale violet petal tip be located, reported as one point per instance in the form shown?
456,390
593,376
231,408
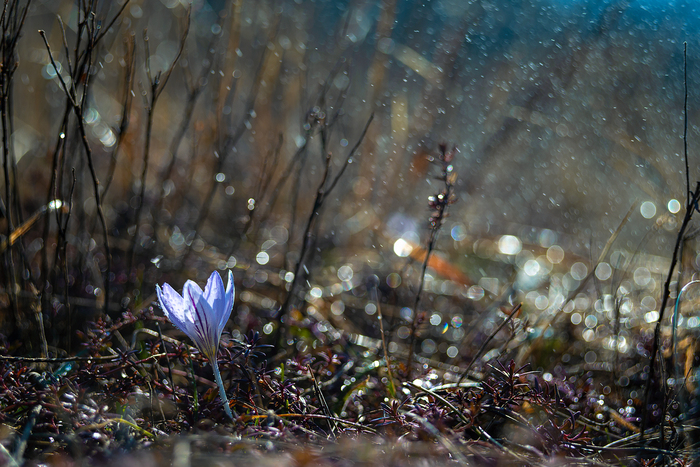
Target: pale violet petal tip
214,288
163,300
230,294
165,294
214,276
196,289
230,287
176,309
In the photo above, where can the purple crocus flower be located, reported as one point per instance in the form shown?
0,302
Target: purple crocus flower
201,315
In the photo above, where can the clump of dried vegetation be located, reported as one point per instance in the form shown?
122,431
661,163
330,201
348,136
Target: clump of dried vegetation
337,353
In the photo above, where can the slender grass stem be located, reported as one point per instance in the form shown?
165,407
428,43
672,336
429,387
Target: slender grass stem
195,394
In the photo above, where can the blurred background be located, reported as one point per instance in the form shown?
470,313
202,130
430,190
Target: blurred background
210,124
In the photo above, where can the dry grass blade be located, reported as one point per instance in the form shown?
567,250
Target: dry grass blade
27,225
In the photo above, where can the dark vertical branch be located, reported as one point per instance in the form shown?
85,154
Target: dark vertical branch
324,189
57,157
9,204
691,206
64,254
12,22
690,209
18,20
305,246
294,202
150,106
83,63
316,118
438,205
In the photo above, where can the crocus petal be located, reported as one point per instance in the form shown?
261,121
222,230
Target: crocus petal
230,294
207,337
196,289
176,309
192,293
219,300
214,295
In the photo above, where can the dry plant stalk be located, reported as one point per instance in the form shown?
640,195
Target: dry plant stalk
438,204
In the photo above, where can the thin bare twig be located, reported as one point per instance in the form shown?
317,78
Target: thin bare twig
688,193
690,209
232,139
126,108
483,347
264,181
63,228
194,91
380,318
11,33
438,204
78,106
157,84
321,194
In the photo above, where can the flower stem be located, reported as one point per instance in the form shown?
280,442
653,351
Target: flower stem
222,392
